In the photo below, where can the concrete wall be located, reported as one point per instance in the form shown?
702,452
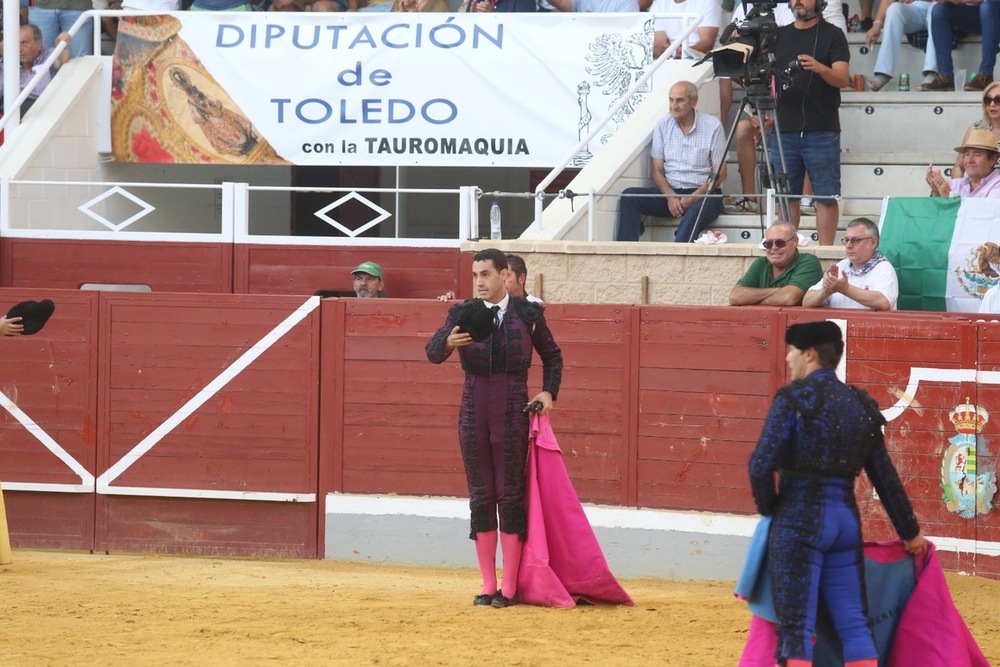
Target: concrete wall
675,273
636,542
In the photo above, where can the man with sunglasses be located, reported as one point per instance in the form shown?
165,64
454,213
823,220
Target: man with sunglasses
865,279
782,276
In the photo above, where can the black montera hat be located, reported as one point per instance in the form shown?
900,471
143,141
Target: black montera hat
479,320
810,334
33,314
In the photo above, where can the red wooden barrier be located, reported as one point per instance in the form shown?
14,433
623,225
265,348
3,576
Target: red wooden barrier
705,380
225,268
589,419
408,273
164,267
49,427
209,411
213,424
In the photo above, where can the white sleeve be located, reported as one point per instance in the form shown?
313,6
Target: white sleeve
883,279
991,301
712,12
834,15
662,25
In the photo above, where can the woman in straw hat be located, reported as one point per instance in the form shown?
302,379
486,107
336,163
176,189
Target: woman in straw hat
990,121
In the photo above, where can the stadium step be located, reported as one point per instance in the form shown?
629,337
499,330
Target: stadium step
738,228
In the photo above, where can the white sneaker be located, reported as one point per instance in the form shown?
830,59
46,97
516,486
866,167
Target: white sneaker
806,206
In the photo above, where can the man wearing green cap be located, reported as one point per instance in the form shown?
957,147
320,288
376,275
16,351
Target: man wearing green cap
367,280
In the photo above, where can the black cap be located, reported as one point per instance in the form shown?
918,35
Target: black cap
478,321
33,314
810,334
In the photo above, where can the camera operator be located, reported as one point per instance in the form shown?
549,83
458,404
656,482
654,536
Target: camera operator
811,56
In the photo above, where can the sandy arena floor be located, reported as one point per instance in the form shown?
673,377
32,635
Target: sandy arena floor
63,608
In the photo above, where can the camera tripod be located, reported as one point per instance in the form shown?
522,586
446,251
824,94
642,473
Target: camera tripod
758,97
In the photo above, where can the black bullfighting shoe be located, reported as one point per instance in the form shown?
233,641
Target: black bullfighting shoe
500,601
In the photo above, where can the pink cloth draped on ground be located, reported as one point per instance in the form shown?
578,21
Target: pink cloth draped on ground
931,632
561,559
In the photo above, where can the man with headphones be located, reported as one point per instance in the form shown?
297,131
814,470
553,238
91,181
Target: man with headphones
808,110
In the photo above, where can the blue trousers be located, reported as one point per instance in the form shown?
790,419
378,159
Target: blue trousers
54,21
815,548
984,19
631,210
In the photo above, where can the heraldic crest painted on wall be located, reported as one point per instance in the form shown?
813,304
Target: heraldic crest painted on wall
968,490
185,116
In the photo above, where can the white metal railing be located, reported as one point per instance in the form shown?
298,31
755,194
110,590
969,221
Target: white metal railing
234,221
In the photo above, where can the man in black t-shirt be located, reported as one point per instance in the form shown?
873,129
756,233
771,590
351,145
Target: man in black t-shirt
808,111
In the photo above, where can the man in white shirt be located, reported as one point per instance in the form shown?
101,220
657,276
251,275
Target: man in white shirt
865,279
700,41
990,303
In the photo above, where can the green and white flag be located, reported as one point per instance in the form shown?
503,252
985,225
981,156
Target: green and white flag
941,249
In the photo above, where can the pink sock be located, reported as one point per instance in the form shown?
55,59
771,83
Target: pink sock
486,554
510,545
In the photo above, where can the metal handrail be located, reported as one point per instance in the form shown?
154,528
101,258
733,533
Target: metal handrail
12,110
12,65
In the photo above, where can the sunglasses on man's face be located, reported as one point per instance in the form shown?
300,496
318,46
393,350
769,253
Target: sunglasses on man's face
777,243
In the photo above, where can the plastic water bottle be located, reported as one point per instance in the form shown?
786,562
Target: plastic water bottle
495,221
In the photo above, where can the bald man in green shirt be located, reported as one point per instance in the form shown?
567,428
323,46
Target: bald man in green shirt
782,276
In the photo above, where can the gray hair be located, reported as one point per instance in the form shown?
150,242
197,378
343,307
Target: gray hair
791,227
692,90
36,32
871,229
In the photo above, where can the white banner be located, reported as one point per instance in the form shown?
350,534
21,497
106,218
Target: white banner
513,90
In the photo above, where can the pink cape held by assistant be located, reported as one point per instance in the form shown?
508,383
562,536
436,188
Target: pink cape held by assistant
561,561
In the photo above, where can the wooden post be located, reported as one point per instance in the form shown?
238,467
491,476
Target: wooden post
539,290
6,558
